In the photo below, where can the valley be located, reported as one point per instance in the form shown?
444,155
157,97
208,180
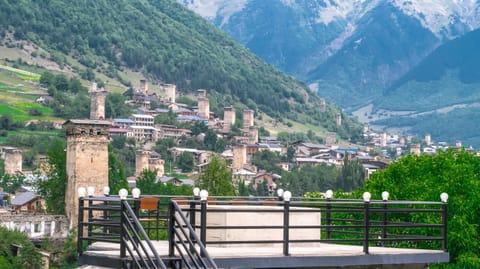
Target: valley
411,60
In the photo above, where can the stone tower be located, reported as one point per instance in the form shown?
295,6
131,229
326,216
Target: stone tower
323,105
428,139
141,161
143,86
252,135
203,104
415,149
87,161
144,161
158,164
366,128
247,119
330,139
97,102
339,119
12,158
228,118
170,92
201,93
383,140
239,157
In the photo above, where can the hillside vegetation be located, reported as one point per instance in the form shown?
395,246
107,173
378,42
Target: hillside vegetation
167,43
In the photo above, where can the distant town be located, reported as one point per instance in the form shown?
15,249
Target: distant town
376,153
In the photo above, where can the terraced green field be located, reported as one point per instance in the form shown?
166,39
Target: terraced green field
18,92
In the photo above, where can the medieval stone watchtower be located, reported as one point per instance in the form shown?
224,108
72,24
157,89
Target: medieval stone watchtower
170,92
228,118
97,102
203,104
248,119
87,160
12,158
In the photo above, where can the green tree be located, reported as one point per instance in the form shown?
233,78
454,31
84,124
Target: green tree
115,106
210,139
185,161
352,175
2,167
263,132
52,189
6,122
217,179
424,178
290,153
310,178
267,160
29,256
146,182
116,173
242,189
10,183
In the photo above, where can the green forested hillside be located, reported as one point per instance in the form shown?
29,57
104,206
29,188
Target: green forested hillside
167,43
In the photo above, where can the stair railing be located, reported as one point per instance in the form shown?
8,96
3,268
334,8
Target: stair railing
184,239
135,240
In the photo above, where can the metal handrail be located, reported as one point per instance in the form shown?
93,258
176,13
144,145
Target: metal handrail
131,231
184,239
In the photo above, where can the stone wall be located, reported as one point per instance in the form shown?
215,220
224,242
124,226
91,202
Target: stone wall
261,218
36,225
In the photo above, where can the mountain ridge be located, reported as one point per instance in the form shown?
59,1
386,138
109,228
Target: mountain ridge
371,55
167,43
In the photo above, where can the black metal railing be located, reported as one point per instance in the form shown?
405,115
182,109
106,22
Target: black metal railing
98,221
112,220
184,241
354,222
376,223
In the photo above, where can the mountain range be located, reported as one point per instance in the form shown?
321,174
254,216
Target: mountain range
164,42
402,65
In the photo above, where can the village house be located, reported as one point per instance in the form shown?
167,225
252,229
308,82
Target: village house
28,202
175,181
200,157
171,131
270,179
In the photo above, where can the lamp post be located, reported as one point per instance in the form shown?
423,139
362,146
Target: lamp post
203,216
122,193
385,196
136,200
106,193
81,205
329,196
286,221
366,200
444,199
193,209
